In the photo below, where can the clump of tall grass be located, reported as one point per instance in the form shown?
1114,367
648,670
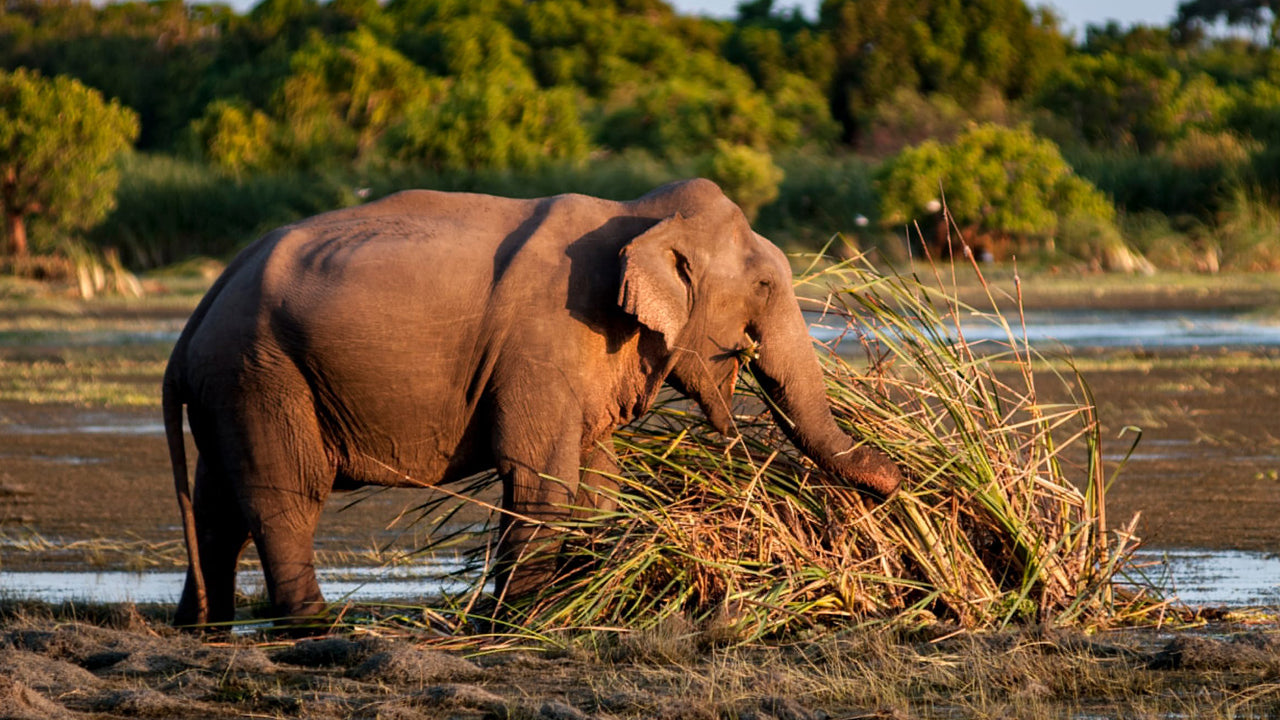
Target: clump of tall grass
1002,520
169,209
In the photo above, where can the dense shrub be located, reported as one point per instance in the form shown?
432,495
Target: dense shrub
994,180
235,138
1158,182
1131,102
476,123
168,210
746,175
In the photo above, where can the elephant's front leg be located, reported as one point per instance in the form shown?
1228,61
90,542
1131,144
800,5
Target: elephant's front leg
538,462
598,489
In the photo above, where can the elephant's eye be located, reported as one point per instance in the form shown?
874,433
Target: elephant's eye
763,288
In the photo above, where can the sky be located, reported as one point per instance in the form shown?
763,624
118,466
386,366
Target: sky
1076,14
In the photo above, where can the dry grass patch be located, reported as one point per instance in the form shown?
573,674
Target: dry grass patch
1003,518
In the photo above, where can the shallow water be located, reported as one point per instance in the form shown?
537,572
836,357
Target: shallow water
1215,578
365,584
120,428
1068,328
140,332
1080,329
1195,577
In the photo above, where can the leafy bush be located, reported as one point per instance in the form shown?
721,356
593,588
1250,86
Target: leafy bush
342,95
746,175
679,118
235,138
995,180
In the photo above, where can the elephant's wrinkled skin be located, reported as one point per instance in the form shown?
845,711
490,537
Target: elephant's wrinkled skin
428,336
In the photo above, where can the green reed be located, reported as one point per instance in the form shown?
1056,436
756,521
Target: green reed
1002,519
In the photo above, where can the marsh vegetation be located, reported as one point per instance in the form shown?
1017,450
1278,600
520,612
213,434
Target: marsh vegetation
741,586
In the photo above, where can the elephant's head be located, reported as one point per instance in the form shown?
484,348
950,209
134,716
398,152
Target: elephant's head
710,286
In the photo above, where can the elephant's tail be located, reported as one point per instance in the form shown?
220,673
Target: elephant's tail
173,402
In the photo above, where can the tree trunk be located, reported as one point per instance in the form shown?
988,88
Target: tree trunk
16,227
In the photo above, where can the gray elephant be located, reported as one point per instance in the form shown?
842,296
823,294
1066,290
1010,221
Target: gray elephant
428,336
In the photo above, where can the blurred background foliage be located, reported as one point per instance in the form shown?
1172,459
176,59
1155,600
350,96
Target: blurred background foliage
1160,143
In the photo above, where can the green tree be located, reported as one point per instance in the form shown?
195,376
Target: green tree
235,137
151,56
679,118
954,47
1251,13
490,121
465,45
343,94
1132,102
995,180
58,145
748,176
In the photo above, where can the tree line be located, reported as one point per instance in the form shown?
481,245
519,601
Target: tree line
1030,133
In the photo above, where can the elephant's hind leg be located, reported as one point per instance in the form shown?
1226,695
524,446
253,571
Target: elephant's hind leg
286,477
221,536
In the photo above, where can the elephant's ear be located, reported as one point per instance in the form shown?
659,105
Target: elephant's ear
655,279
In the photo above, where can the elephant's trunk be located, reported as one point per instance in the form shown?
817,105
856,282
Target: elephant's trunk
790,374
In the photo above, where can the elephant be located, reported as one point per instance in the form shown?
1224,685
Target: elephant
424,337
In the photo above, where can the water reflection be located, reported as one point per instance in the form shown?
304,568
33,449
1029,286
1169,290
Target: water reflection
364,584
1214,577
1155,329
1229,578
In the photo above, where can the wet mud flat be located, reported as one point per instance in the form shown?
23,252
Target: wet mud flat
91,489
125,662
85,485
1205,472
85,488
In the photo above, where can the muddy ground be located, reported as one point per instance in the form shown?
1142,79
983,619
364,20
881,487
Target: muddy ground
88,463
85,484
1204,475
125,663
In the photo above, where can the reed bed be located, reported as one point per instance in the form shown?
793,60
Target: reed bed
1002,520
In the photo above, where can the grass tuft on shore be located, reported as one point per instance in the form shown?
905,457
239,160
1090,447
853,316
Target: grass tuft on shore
1002,520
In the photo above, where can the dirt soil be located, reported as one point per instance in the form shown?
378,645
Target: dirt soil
125,662
1204,475
1206,472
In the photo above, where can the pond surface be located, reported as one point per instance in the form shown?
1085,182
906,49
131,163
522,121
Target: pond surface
1214,578
365,584
1194,577
1111,329
1086,328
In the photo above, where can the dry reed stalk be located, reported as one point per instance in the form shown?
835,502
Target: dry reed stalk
1002,519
